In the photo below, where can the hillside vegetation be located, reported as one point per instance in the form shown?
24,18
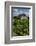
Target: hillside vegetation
20,26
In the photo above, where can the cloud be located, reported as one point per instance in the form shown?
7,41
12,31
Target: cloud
17,11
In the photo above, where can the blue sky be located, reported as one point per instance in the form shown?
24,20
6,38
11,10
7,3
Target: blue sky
17,11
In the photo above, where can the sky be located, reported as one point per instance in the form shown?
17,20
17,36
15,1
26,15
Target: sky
17,11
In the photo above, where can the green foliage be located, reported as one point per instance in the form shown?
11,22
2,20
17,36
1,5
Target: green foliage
21,26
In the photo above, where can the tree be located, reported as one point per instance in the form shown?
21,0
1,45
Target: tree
21,27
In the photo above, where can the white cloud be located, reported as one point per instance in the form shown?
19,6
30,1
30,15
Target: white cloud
21,11
15,10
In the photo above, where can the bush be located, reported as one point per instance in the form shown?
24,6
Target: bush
21,27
